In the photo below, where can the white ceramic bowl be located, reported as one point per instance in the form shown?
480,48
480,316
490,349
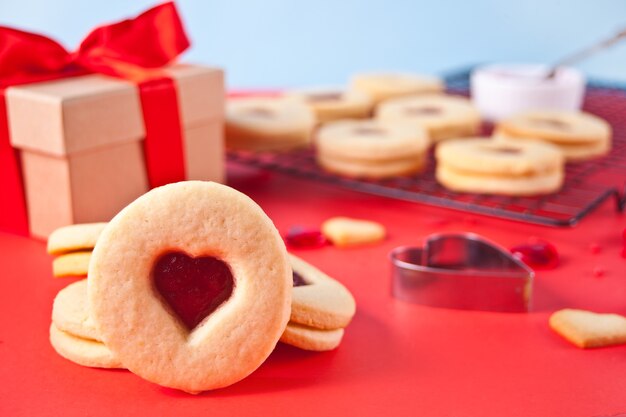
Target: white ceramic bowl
501,90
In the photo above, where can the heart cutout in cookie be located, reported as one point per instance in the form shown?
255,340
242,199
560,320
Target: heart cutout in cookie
192,287
551,123
423,111
298,280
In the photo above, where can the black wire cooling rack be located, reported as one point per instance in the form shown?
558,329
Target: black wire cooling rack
587,184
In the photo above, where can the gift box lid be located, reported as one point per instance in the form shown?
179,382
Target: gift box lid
71,115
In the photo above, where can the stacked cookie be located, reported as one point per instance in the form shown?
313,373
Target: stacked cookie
73,333
126,283
484,165
321,309
579,135
371,149
163,303
72,246
411,111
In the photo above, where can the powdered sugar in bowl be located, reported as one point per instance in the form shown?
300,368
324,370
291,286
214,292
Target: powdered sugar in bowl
501,90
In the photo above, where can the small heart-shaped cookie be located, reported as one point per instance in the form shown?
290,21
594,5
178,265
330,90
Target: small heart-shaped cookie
586,329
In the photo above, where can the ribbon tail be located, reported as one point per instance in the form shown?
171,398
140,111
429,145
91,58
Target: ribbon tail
163,145
13,215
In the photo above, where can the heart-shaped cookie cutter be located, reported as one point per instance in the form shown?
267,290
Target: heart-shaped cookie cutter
463,271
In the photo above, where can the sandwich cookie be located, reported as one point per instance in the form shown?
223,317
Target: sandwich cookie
371,149
579,135
268,124
71,246
487,166
321,309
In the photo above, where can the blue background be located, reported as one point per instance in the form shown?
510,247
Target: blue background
281,43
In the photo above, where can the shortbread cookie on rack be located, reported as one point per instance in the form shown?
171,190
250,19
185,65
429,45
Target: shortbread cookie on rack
381,86
190,286
330,104
579,135
587,329
268,123
481,165
443,116
370,148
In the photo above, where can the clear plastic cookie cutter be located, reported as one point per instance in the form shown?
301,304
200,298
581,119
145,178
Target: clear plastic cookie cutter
463,271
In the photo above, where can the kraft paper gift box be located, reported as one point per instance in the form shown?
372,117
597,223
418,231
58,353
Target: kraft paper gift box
81,142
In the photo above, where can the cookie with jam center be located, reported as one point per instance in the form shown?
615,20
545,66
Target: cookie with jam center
190,286
443,116
330,104
579,135
319,301
382,86
483,165
371,149
268,124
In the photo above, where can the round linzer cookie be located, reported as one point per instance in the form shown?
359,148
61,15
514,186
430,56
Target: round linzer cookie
579,135
268,124
383,86
369,148
319,301
443,116
85,352
371,140
481,165
190,286
330,104
70,311
309,338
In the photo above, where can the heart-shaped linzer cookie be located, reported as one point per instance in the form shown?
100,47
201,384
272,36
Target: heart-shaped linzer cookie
193,287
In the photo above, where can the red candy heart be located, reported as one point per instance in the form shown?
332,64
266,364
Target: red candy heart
537,254
301,238
192,287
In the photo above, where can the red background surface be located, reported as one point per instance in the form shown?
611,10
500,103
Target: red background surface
396,358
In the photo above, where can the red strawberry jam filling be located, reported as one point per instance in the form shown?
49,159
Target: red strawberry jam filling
192,287
317,97
298,280
422,111
301,238
537,254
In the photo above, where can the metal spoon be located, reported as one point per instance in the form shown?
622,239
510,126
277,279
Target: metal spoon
584,53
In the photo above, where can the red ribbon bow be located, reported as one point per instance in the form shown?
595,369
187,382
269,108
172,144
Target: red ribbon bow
133,49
